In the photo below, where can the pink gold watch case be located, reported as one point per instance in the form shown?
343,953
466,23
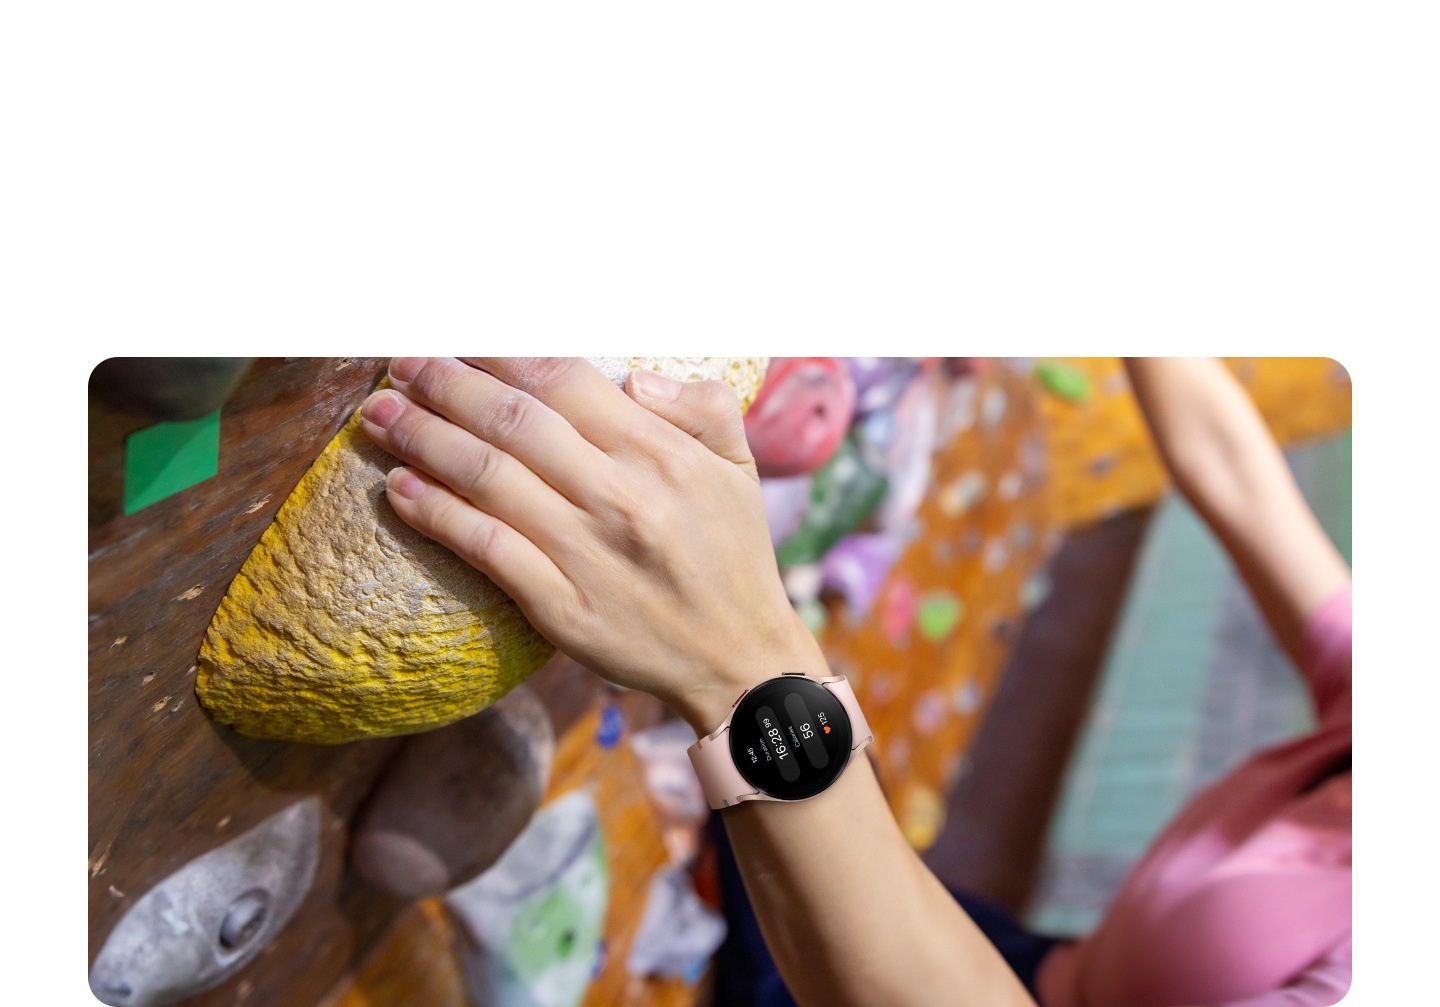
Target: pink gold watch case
720,778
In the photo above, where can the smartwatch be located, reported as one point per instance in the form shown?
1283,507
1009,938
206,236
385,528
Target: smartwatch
786,739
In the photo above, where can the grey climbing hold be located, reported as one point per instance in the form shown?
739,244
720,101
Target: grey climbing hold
168,388
206,921
244,919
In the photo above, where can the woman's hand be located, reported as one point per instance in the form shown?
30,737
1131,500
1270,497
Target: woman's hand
630,529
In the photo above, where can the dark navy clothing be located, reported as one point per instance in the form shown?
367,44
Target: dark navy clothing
747,976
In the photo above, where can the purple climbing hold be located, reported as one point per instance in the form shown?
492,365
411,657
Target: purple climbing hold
967,698
856,568
971,541
879,380
1009,486
992,408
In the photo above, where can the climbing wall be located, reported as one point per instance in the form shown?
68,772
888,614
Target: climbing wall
928,653
167,784
1021,451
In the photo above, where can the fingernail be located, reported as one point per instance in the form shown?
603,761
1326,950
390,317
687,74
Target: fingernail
652,385
405,483
382,408
405,368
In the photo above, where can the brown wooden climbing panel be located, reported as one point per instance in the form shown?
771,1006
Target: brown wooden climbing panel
167,784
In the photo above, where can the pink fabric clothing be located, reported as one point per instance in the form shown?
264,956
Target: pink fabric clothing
1244,899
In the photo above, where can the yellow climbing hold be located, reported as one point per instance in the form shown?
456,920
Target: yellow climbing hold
345,624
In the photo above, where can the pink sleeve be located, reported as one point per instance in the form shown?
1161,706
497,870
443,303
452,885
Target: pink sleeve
1322,984
1325,652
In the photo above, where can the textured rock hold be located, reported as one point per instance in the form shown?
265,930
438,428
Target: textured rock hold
344,623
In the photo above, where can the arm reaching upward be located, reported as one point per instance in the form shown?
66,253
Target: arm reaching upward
1227,465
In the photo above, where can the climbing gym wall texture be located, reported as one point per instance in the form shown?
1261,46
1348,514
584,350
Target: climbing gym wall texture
263,749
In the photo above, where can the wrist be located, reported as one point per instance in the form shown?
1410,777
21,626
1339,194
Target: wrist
713,694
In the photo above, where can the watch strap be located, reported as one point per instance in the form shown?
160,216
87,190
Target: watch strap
721,780
860,734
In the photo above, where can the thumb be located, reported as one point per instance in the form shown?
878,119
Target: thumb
709,411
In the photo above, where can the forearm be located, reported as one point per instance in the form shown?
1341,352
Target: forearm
1224,461
848,910
1208,433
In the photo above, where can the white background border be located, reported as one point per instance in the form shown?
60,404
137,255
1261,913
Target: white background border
1010,179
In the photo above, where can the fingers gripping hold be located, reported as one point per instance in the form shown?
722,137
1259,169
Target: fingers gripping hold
709,411
516,565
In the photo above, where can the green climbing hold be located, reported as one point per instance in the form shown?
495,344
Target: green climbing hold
1063,380
166,458
843,496
937,615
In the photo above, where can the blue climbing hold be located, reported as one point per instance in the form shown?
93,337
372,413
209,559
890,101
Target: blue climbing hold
612,727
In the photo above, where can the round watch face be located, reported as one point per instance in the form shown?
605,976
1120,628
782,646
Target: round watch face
790,737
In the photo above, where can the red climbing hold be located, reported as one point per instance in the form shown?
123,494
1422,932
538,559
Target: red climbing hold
801,414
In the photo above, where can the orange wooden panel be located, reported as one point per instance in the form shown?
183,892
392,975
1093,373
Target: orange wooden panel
984,532
413,963
634,850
